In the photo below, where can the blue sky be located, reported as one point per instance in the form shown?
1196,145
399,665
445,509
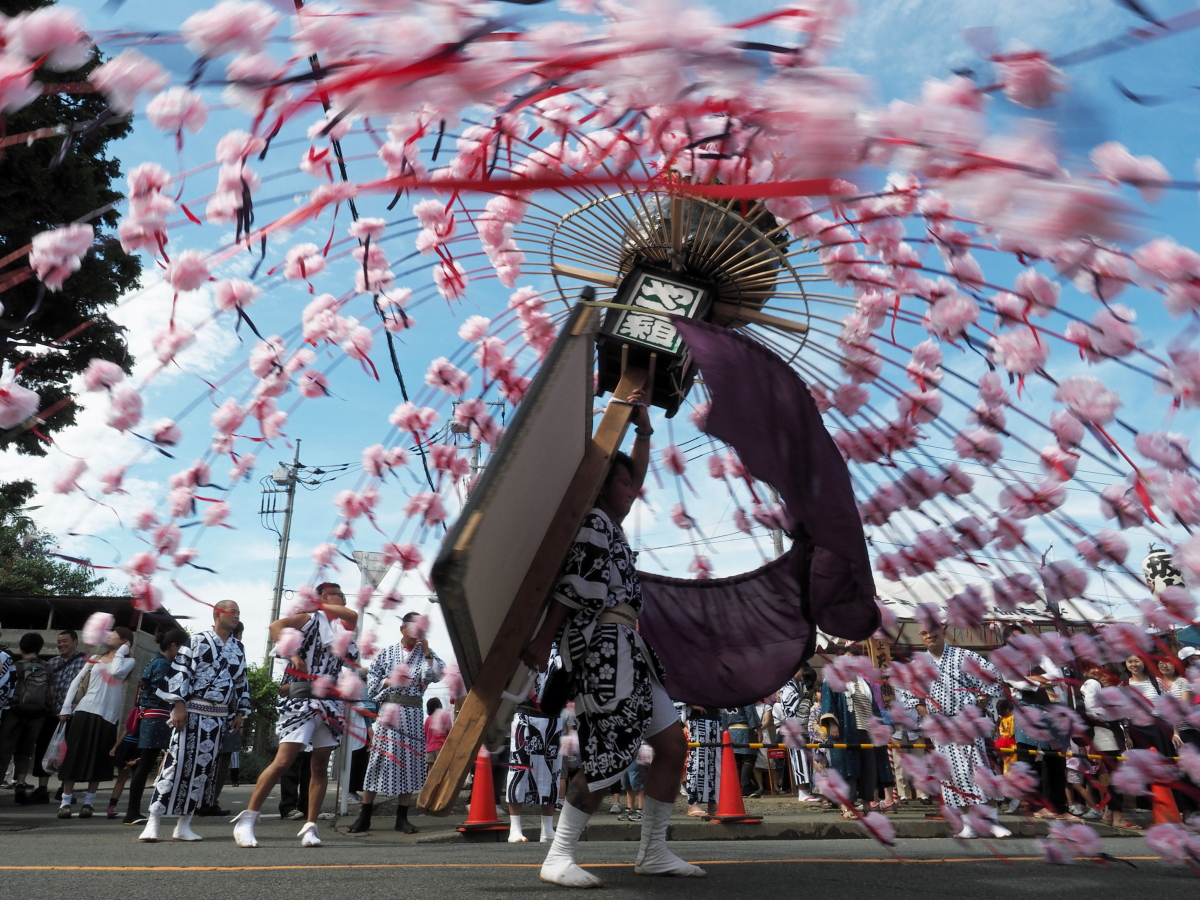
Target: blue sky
895,43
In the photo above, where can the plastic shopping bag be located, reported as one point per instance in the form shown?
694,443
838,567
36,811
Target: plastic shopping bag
57,750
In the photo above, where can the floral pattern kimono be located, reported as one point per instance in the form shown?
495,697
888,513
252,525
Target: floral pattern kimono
612,669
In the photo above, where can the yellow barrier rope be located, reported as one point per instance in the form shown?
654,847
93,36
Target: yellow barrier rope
1008,751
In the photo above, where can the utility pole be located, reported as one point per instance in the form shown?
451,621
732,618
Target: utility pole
776,534
286,477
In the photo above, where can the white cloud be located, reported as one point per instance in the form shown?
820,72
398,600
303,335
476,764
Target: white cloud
143,314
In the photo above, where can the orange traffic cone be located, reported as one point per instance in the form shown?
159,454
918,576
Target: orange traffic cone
730,808
1163,802
482,814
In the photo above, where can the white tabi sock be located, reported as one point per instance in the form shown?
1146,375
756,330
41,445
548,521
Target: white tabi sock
67,799
88,799
243,828
183,830
515,835
560,866
547,829
653,856
308,835
150,834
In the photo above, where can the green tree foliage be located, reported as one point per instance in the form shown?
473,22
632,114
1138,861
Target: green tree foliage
25,567
40,191
258,729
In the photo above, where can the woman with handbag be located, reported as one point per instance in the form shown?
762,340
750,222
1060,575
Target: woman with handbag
93,707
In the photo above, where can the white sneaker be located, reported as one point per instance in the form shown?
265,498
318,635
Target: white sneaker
967,833
1012,806
183,830
150,834
243,828
615,808
308,835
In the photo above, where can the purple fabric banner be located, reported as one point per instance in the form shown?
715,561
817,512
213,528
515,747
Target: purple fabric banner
729,641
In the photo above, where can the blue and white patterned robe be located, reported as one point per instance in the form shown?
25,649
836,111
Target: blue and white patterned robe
397,764
206,671
948,695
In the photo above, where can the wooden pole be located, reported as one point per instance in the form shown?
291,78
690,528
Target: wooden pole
479,708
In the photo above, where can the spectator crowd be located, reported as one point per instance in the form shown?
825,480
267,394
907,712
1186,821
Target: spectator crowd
1074,728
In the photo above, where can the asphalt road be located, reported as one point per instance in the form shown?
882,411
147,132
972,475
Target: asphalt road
101,859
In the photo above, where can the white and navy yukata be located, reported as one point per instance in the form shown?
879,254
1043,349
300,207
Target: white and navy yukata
209,675
797,701
397,764
316,648
534,763
948,695
615,675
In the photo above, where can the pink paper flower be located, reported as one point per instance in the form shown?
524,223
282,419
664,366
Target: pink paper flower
54,32
145,596
17,88
229,27
414,419
126,75
447,377
407,556
474,329
389,716
1030,79
233,293
1088,399
58,253
452,680
450,279
303,261
349,686
175,109
17,404
367,227
97,628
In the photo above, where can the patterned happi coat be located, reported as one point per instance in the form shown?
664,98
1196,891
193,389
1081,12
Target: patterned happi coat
950,693
206,673
612,669
321,660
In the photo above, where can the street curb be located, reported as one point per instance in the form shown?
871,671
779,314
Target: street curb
779,829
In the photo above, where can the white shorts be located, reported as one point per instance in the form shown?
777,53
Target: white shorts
313,733
664,714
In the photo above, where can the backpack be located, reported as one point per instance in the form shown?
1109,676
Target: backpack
33,694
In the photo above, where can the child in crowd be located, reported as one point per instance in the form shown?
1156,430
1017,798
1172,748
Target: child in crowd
1006,741
634,784
1080,800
